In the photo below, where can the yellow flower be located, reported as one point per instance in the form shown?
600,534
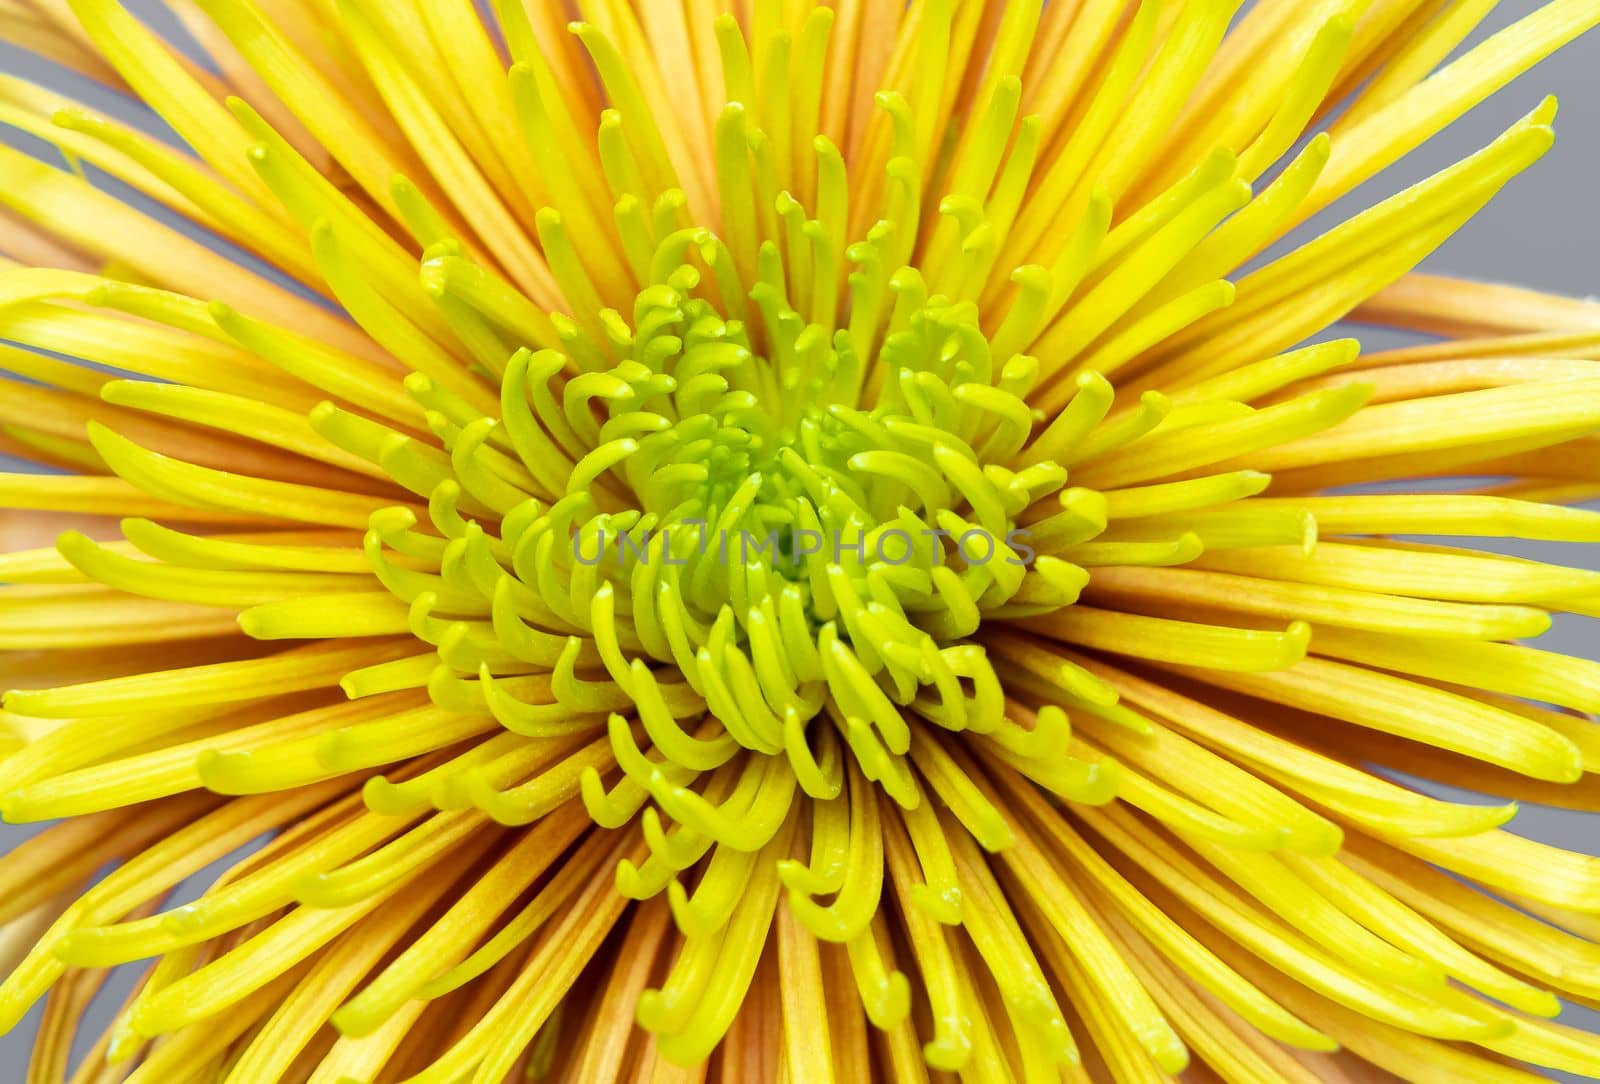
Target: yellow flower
762,540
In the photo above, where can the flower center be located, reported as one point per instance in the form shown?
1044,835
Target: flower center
751,520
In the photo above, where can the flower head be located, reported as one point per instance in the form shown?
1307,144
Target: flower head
787,540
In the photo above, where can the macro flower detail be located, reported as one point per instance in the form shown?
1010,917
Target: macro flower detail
694,540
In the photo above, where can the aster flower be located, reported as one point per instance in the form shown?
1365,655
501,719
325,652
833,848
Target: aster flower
767,540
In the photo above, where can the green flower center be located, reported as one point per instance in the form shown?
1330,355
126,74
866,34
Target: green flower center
744,532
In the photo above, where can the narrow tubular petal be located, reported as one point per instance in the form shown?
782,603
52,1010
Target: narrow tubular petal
1411,710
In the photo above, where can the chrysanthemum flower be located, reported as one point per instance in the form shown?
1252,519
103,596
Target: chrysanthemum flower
762,540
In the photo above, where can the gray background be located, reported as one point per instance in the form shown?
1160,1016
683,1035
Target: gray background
1543,231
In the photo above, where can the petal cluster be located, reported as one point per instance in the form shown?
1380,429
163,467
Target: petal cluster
781,540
